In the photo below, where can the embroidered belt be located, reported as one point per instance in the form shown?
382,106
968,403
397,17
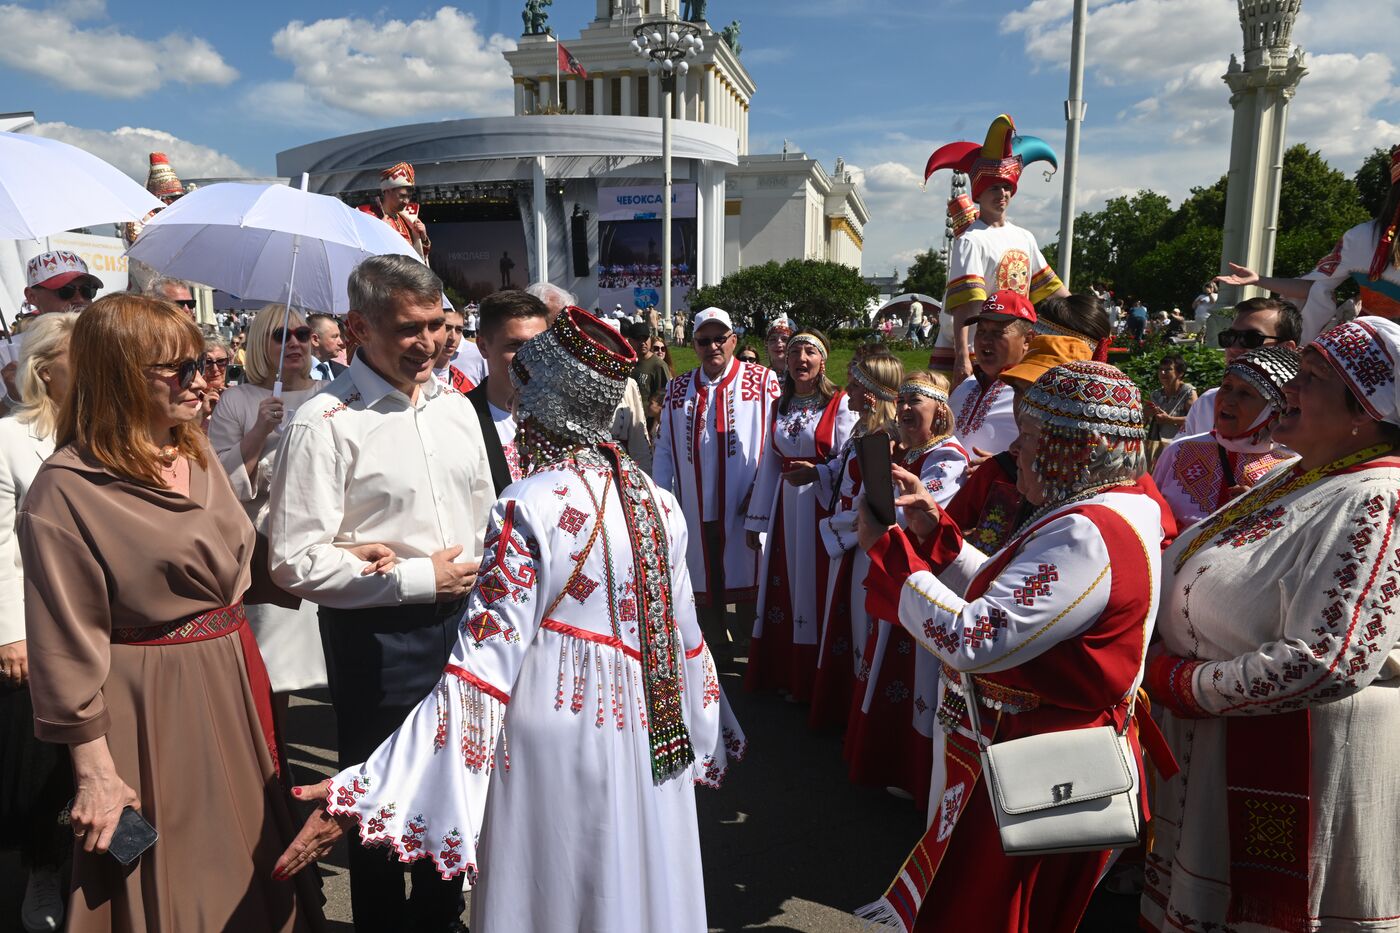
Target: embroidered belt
215,623
612,641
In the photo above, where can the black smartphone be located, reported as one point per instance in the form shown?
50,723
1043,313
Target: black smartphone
133,836
873,451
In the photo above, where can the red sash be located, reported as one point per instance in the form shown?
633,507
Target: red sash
218,623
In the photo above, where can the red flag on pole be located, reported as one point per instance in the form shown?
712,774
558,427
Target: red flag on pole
568,63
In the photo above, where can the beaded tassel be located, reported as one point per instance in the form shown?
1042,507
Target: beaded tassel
601,686
580,663
442,700
619,689
483,722
563,660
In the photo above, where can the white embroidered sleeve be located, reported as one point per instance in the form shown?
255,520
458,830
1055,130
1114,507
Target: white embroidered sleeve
1339,621
663,463
767,486
838,530
1053,589
422,793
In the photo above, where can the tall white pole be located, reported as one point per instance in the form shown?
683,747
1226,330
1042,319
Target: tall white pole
1074,115
668,84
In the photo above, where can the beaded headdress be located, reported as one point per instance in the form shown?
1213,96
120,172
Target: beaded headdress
570,378
782,325
1092,427
1364,353
928,390
1266,369
861,374
399,175
162,181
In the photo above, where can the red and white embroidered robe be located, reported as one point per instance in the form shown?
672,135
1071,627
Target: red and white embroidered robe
1054,628
713,435
889,738
530,763
1290,609
793,568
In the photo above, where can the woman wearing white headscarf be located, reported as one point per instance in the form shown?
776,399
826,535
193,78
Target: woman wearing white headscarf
1279,682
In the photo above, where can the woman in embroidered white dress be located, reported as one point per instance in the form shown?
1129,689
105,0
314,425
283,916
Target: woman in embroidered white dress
1200,473
810,423
555,761
890,733
871,392
245,431
1278,675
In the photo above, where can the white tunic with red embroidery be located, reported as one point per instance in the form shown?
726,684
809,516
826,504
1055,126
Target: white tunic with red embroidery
1191,474
713,435
1292,607
983,418
529,765
792,575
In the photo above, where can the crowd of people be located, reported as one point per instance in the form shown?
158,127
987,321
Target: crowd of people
518,564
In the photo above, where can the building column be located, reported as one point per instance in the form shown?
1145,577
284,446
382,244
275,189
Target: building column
540,203
653,95
545,96
628,104
572,87
521,97
744,129
709,209
707,91
600,95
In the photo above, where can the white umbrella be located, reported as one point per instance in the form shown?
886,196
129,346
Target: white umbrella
47,187
266,243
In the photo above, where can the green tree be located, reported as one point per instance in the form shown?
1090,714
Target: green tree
1317,204
1373,181
928,275
828,292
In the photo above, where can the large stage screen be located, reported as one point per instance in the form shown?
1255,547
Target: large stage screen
629,247
475,258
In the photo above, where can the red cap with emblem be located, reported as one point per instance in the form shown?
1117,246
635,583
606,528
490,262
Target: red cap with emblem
1006,305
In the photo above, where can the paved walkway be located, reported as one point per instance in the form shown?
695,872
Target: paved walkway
789,844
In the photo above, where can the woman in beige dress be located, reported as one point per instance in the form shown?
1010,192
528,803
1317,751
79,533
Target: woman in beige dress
136,557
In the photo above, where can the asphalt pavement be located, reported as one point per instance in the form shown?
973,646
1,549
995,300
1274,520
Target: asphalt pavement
788,843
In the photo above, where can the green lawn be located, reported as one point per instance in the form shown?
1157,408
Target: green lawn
685,360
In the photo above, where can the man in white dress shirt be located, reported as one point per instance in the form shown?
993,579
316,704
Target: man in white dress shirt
389,455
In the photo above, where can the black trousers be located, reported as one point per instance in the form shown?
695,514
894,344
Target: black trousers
381,663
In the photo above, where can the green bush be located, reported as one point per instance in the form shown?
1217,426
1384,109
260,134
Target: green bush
1204,365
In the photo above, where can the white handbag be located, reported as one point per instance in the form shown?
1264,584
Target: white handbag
1070,791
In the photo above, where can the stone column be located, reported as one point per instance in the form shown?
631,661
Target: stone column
572,96
707,103
544,97
653,95
600,95
628,102
522,103
540,206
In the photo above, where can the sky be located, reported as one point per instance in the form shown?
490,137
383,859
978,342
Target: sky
223,87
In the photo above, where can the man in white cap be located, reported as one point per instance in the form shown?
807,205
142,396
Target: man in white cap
54,281
713,432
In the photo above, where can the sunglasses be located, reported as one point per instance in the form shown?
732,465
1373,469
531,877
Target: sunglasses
185,369
705,342
1249,339
299,334
66,292
213,363
187,303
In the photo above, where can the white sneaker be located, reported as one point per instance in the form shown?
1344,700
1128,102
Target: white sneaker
42,911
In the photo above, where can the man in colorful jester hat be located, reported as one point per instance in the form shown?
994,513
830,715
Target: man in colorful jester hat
990,254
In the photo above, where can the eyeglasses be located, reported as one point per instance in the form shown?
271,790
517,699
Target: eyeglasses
66,292
187,303
1249,339
299,334
706,342
185,369
211,362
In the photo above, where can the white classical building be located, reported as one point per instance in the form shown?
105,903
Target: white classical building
568,188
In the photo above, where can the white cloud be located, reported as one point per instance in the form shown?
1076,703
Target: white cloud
101,59
129,148
394,68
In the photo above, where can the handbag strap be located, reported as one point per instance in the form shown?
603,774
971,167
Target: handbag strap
974,720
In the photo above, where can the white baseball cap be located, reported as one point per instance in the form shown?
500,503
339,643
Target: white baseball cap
56,269
712,316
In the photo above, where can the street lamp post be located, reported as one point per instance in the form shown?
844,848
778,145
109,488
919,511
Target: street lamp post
667,46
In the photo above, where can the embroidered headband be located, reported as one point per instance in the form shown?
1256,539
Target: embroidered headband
1364,352
867,382
1088,396
811,340
924,389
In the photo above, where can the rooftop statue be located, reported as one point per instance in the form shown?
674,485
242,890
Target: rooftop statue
730,35
695,10
536,18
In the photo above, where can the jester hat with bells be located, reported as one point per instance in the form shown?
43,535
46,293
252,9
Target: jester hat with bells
999,159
